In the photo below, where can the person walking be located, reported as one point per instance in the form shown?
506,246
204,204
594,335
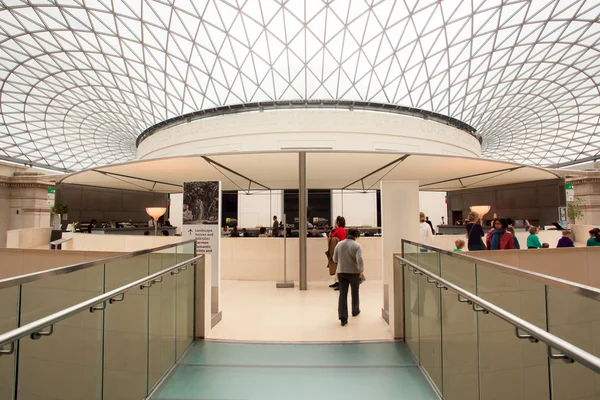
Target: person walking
425,231
428,222
474,232
511,229
350,267
499,238
337,234
275,231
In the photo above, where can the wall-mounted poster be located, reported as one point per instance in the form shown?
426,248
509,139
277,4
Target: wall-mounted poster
201,210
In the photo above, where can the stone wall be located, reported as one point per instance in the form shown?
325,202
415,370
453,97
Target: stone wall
588,189
86,203
23,199
537,201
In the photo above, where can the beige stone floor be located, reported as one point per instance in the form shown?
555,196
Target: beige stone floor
258,311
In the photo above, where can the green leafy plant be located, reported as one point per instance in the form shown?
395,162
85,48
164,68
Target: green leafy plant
60,209
574,209
309,212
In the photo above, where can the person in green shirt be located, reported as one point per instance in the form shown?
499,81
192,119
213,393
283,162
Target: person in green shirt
594,239
460,244
533,241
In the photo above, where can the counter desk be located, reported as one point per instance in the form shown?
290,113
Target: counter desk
134,231
261,259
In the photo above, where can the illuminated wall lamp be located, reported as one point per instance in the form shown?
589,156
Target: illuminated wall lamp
481,210
156,213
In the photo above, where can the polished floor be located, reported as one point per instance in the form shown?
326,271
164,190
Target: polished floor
235,371
258,311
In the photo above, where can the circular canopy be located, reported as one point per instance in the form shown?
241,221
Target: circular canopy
80,80
324,170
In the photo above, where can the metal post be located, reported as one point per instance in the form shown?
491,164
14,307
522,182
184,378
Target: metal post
285,284
302,209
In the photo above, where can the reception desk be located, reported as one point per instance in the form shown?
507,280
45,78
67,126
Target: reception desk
261,259
451,229
134,231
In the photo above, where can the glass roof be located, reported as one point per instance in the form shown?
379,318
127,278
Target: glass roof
81,79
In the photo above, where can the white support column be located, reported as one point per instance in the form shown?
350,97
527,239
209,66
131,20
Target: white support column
399,220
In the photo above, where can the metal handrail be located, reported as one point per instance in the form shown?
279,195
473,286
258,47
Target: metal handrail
568,351
563,284
22,279
36,328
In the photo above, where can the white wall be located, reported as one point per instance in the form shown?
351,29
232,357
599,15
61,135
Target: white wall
339,130
120,243
176,210
433,204
359,209
261,259
29,238
258,208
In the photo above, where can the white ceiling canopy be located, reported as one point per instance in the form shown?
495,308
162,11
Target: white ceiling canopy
81,79
359,171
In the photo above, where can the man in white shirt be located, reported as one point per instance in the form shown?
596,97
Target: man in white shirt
425,234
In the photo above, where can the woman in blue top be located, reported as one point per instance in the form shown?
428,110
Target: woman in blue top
594,239
512,231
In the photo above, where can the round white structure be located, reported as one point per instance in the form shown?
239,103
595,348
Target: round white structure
305,128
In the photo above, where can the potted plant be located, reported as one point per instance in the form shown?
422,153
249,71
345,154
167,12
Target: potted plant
575,209
59,211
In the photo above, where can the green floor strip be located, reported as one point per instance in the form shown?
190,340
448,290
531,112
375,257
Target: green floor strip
235,371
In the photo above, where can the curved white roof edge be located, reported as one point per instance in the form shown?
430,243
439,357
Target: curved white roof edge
325,170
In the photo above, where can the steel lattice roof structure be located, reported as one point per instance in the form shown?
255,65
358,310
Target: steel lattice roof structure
81,79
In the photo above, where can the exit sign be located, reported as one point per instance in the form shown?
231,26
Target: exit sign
570,192
50,196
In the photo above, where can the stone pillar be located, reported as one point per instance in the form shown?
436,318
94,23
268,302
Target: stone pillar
588,189
399,220
303,220
23,199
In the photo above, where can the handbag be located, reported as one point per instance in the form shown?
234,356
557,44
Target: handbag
362,279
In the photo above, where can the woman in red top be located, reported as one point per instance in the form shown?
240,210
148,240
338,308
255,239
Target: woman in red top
338,231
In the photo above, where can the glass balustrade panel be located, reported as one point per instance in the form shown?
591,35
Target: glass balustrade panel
429,310
511,368
65,365
126,333
520,296
459,332
49,295
185,300
9,313
576,319
411,303
162,315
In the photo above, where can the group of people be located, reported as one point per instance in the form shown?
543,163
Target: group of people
502,236
276,230
345,261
